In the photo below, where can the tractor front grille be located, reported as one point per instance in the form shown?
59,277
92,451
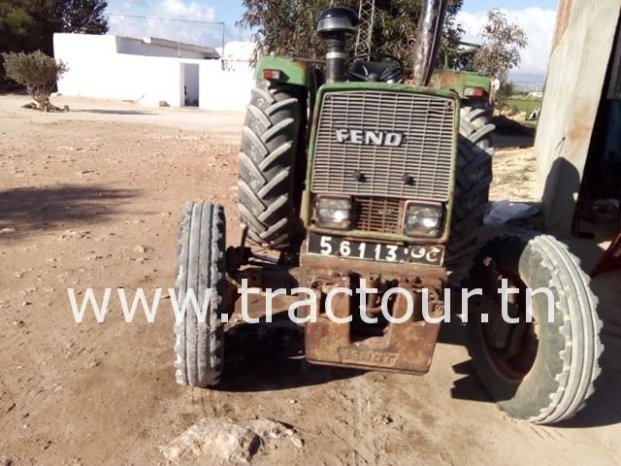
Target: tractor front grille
379,215
420,168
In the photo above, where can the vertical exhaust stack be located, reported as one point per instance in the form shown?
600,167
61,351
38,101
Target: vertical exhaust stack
335,26
428,38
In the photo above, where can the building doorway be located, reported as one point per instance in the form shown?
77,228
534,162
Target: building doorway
190,84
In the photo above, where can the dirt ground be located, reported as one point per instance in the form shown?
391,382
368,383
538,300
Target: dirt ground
91,198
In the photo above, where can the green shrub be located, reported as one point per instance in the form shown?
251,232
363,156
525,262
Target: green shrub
37,72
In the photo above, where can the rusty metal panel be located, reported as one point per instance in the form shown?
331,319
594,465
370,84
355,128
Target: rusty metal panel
582,50
403,347
313,262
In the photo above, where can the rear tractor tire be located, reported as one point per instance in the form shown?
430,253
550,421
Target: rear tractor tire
544,371
200,270
473,179
267,164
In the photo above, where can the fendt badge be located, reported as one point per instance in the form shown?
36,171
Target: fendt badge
369,138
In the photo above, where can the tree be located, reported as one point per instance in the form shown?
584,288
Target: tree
84,16
29,25
288,28
461,58
504,93
37,72
500,51
15,26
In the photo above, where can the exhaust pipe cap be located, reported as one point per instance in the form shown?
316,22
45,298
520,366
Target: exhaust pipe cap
337,22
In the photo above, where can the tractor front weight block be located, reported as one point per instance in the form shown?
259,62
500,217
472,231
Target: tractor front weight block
405,343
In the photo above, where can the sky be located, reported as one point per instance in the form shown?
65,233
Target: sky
537,18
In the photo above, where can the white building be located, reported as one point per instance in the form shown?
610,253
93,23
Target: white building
151,71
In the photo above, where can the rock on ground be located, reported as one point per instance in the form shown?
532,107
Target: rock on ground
224,441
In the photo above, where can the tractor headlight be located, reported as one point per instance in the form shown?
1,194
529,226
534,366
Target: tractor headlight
333,212
423,220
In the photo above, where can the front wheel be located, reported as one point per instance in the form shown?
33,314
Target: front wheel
541,370
200,272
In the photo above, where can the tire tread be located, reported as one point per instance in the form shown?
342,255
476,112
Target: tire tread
200,266
266,165
473,179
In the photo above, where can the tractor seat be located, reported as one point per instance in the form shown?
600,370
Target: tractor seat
377,71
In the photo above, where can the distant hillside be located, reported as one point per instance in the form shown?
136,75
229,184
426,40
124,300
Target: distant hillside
528,82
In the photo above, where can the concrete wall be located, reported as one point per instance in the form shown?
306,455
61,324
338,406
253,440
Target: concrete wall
97,70
581,52
225,89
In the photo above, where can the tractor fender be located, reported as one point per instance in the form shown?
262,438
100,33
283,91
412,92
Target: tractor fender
459,81
294,72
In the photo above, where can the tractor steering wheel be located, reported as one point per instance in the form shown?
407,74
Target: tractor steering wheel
368,68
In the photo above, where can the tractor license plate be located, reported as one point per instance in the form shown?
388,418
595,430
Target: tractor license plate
332,246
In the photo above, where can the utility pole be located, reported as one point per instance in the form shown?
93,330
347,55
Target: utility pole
366,17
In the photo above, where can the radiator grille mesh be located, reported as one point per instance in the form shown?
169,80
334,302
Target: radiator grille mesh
419,169
380,215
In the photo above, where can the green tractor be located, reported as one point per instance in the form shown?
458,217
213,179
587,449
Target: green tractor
356,180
